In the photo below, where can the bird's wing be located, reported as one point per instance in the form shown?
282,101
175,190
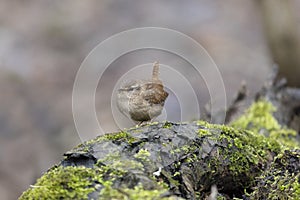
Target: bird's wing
154,93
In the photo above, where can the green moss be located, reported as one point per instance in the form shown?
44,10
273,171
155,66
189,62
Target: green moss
123,135
252,148
183,149
118,165
203,132
171,178
177,174
136,193
259,119
167,125
258,116
126,165
119,136
192,158
77,182
64,183
281,180
246,149
296,187
143,155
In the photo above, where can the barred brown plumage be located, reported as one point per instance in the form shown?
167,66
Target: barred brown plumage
142,100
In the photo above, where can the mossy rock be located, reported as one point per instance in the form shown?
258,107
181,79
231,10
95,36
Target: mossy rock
281,180
167,161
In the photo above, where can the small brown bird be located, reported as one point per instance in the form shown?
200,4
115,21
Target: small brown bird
142,100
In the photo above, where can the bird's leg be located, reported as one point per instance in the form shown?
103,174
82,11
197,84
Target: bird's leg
143,123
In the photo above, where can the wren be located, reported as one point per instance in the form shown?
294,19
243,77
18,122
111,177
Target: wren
142,100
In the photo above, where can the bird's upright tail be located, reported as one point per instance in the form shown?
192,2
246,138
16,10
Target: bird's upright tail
155,73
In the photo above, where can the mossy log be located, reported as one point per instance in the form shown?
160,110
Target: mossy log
282,179
178,161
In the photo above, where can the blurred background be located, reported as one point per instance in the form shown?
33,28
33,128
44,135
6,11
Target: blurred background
42,44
